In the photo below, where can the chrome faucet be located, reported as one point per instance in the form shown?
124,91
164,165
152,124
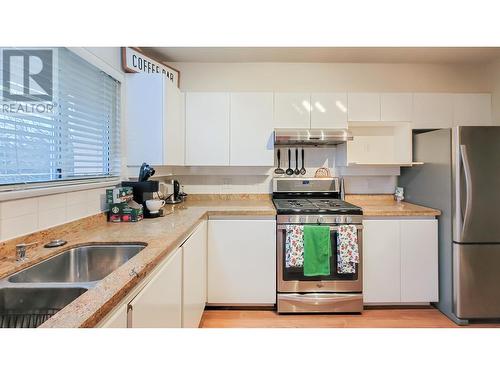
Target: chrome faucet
21,250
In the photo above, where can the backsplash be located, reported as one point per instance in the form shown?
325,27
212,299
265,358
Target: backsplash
22,216
240,180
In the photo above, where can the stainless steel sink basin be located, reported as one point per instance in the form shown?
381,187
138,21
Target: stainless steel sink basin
30,307
81,264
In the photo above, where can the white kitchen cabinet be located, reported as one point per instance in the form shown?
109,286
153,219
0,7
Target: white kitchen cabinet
396,106
241,261
292,110
155,128
117,319
194,277
419,261
207,128
363,106
432,110
387,143
329,110
400,261
252,142
381,261
159,303
472,109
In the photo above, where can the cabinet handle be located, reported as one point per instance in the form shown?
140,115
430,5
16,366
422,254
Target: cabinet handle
130,309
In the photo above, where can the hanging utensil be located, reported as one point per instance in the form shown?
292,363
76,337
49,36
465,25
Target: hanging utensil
296,171
279,170
302,170
289,171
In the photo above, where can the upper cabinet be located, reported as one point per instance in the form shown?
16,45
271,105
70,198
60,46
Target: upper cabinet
432,110
292,110
252,142
472,109
155,126
396,107
328,110
207,128
363,106
387,143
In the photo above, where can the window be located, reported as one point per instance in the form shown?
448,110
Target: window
64,125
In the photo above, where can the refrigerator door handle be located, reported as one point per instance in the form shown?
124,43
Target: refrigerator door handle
468,186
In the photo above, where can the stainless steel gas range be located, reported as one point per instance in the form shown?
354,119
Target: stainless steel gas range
316,201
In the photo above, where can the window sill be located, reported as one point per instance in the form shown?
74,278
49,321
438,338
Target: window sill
41,191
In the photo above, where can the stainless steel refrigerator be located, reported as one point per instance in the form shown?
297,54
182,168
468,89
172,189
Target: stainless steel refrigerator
461,177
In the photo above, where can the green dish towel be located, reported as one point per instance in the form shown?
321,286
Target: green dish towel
317,250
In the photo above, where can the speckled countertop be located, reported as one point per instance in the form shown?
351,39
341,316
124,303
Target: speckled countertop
385,205
163,235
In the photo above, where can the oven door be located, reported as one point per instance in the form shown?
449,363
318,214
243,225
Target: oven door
292,279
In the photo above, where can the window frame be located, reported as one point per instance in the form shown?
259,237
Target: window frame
33,189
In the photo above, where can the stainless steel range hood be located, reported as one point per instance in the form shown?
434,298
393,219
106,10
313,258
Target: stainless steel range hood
311,137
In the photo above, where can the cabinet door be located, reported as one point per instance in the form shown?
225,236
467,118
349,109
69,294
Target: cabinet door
292,110
159,303
252,142
118,319
145,122
419,261
174,134
396,107
329,110
381,261
363,106
207,128
194,285
471,109
432,110
242,261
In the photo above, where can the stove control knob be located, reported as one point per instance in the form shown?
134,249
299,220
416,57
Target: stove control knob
302,220
320,220
348,219
338,220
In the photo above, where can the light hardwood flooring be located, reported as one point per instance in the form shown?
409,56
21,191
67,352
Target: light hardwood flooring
428,317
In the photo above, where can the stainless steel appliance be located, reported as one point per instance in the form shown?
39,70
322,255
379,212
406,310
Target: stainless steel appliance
175,197
461,177
311,137
301,201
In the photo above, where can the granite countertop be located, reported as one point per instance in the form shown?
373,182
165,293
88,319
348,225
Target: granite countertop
162,235
385,205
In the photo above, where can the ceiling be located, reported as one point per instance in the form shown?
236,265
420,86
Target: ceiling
436,55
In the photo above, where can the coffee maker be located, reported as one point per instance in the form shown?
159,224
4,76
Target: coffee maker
144,189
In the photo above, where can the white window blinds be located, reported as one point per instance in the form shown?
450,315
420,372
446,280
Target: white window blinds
77,139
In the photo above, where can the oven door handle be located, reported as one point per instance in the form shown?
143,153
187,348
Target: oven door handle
332,228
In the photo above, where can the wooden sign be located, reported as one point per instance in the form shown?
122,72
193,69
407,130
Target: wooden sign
134,61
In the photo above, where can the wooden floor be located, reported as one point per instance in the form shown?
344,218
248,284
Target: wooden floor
371,318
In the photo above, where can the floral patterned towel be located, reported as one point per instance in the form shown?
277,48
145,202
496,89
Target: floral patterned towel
347,249
294,246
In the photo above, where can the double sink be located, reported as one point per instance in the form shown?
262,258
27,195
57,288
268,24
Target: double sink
31,296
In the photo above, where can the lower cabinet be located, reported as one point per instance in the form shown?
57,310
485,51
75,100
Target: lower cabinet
241,261
159,303
194,277
116,319
400,261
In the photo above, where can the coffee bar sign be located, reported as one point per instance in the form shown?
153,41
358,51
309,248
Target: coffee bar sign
134,61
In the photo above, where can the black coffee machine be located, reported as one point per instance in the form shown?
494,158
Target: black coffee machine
144,189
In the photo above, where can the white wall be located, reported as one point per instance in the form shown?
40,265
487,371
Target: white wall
331,77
